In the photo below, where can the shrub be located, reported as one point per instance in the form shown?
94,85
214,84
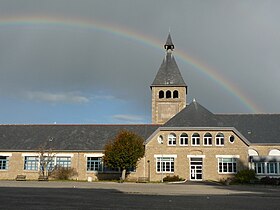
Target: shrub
270,181
174,178
245,176
63,173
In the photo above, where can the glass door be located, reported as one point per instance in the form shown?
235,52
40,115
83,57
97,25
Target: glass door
196,169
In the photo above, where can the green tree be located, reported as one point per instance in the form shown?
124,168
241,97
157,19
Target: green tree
124,151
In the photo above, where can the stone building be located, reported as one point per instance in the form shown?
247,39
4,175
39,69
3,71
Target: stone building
184,140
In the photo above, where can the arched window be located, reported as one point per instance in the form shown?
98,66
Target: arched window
274,152
175,94
253,152
172,139
161,94
184,139
220,139
168,94
207,139
195,139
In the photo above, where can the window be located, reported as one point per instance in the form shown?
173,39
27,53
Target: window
4,160
231,139
267,168
195,139
161,94
46,163
171,139
168,94
272,168
165,164
207,139
175,94
31,163
220,139
63,162
94,164
184,139
227,165
259,168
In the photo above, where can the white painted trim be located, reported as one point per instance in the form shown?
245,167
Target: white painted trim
198,156
9,154
94,155
164,155
227,156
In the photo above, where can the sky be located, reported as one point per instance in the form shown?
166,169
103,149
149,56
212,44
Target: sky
93,61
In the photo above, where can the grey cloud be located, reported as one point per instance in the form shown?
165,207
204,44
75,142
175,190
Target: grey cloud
56,97
235,39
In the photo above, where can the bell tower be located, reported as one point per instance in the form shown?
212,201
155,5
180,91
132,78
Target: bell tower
169,90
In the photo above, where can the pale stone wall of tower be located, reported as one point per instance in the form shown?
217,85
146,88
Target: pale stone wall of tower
164,109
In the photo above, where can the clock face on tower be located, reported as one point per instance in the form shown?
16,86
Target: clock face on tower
167,111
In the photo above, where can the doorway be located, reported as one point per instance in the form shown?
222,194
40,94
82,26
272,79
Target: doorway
196,169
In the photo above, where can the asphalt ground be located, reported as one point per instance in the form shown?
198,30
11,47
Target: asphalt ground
110,195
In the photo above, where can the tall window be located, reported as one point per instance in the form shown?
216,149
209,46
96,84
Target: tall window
4,160
161,94
168,94
165,164
207,139
47,163
259,168
272,168
63,162
184,139
31,163
195,139
220,139
94,164
175,94
171,139
227,165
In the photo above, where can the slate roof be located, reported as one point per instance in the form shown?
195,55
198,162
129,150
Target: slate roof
64,137
169,73
256,128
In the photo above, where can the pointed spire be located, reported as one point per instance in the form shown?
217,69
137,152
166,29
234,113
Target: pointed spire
169,73
169,44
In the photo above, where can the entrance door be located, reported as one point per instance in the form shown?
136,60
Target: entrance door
195,169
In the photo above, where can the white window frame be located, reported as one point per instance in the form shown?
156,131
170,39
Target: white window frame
233,162
27,166
184,139
220,140
208,138
171,139
265,169
195,140
6,160
165,163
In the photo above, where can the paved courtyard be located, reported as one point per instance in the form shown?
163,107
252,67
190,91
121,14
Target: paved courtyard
109,195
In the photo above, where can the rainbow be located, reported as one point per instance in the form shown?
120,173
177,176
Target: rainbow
125,33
